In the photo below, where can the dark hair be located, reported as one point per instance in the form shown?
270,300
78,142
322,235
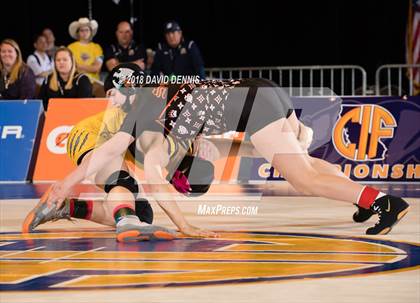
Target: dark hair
126,21
37,36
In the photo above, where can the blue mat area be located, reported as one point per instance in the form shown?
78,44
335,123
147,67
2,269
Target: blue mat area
21,191
34,191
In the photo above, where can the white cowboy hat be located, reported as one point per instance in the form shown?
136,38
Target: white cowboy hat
75,25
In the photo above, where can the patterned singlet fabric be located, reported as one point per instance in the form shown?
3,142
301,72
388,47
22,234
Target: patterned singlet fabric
197,109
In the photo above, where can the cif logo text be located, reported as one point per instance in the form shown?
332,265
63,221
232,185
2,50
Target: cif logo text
373,123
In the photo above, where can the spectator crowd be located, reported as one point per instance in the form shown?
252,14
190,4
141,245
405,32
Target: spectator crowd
74,71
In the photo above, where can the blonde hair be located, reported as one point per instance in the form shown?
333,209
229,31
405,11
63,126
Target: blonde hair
19,65
54,78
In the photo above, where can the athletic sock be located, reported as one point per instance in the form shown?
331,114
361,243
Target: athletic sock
81,209
122,211
367,196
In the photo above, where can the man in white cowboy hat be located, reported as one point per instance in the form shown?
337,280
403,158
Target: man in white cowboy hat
88,55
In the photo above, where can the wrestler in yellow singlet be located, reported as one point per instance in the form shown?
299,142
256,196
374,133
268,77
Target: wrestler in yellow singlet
93,131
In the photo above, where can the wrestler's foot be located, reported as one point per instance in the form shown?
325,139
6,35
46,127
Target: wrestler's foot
362,214
130,229
390,210
41,214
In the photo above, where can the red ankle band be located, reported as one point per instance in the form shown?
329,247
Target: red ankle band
72,208
81,209
367,197
89,204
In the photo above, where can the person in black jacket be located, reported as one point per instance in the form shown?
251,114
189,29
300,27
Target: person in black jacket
177,56
125,50
65,82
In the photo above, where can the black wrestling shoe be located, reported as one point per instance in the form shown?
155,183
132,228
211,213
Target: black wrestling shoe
390,210
362,214
144,211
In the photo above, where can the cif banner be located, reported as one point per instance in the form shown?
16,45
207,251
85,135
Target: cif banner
19,121
370,139
52,162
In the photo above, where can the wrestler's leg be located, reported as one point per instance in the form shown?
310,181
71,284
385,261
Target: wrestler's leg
286,155
278,144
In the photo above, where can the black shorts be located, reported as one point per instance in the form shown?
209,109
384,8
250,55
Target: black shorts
258,104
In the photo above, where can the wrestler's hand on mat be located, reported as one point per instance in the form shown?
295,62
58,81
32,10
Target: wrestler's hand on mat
193,231
58,192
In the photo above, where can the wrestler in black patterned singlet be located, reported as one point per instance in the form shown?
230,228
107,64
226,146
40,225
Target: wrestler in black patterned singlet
197,109
208,108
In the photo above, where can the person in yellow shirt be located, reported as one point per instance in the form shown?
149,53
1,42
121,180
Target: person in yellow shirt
88,55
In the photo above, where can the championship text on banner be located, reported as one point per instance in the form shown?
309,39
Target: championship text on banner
370,139
19,123
52,162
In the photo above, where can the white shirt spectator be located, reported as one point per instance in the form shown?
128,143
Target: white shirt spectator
40,63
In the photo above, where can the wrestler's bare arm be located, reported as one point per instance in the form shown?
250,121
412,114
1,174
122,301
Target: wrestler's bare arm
156,157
